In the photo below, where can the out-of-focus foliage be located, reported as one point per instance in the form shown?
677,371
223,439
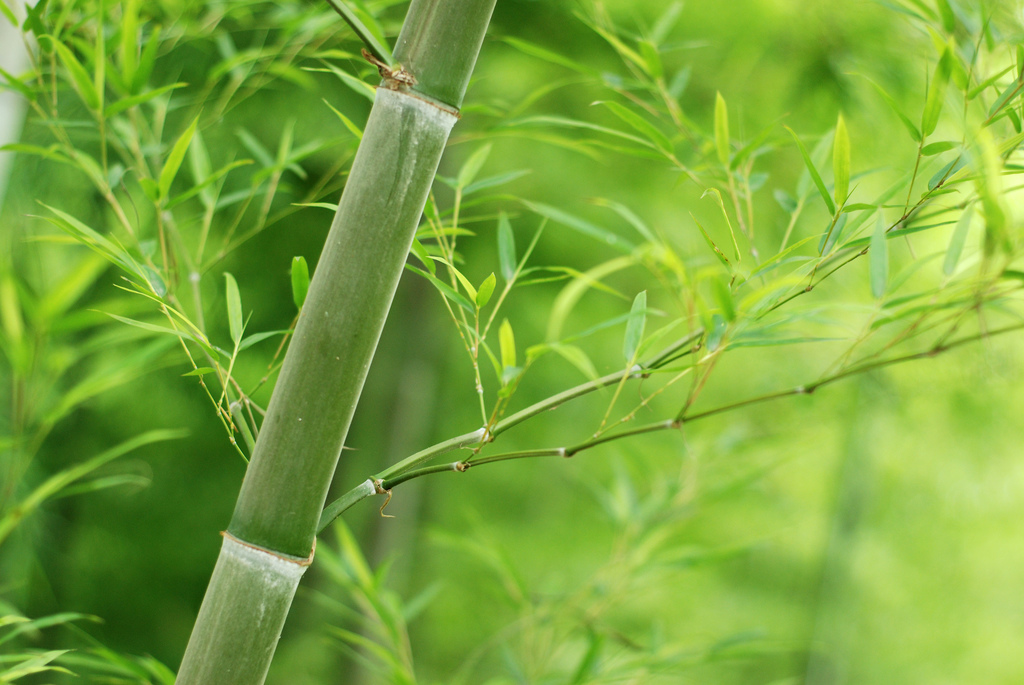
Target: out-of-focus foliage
694,212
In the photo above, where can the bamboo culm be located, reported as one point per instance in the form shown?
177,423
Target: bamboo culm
271,537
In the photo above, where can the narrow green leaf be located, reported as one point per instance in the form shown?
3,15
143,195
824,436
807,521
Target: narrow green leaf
948,18
466,284
785,200
492,181
630,216
79,76
16,83
446,290
349,124
859,207
547,55
1011,92
577,357
199,371
129,40
815,176
507,343
635,327
379,50
723,296
841,162
506,247
717,195
879,259
666,22
8,14
99,55
584,227
300,281
234,302
910,126
937,148
957,242
135,100
652,60
174,159
147,60
469,170
57,482
484,292
639,124
718,253
250,340
424,256
722,129
936,94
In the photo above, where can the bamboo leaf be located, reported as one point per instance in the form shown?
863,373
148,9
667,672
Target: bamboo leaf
718,253
14,82
234,302
9,14
635,327
174,159
717,195
57,482
466,284
484,292
721,129
99,60
135,100
957,242
492,181
630,216
907,123
936,94
639,124
469,170
813,171
506,248
577,357
666,22
584,227
250,340
937,148
446,290
80,78
652,60
147,60
507,343
948,18
547,55
128,43
424,256
300,281
879,259
841,162
723,296
349,124
379,50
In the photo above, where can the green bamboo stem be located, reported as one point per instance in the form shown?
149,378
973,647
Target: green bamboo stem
297,450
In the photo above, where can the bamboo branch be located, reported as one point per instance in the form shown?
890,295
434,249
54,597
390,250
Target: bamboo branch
385,485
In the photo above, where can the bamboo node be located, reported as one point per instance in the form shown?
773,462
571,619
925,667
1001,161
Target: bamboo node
298,561
378,486
393,76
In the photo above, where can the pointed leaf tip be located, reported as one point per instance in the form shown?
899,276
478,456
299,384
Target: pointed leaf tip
635,327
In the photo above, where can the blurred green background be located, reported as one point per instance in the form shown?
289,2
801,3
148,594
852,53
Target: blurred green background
868,533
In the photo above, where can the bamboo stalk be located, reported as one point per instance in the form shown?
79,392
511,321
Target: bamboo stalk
295,455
